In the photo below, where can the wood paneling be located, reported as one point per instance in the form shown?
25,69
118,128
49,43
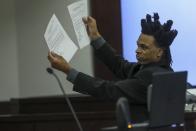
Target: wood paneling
52,114
4,107
108,16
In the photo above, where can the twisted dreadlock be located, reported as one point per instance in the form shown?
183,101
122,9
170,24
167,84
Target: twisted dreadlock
163,35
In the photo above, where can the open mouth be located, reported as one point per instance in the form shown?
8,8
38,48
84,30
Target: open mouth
137,56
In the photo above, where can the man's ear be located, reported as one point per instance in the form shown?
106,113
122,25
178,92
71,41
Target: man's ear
160,52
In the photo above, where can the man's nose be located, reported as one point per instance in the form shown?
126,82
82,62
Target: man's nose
137,50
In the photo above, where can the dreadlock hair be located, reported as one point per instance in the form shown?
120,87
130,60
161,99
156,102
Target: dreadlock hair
163,35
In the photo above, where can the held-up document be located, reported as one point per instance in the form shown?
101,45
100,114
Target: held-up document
58,41
77,10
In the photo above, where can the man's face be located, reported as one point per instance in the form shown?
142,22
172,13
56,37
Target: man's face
147,51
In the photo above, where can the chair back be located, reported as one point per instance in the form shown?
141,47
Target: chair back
167,101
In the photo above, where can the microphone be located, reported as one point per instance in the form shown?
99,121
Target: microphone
50,71
123,114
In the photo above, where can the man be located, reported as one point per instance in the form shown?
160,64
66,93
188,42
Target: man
153,55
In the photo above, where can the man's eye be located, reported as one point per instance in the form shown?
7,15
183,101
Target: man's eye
143,47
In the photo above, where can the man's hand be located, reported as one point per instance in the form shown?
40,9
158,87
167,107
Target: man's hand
91,27
58,62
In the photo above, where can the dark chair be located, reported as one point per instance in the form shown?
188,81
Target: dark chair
165,102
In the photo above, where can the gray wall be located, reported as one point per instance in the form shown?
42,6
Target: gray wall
9,82
30,50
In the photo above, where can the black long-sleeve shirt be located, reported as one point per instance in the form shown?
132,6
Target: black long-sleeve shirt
133,82
133,78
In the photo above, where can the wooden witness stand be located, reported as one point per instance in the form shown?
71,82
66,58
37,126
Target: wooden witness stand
53,114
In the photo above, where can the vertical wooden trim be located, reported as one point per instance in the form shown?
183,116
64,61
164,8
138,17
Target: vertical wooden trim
108,16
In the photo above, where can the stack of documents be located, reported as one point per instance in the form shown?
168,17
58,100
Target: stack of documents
57,38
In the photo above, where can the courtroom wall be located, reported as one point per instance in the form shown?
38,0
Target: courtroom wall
26,56
9,82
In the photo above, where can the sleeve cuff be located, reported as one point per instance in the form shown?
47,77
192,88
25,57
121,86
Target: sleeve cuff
71,76
98,43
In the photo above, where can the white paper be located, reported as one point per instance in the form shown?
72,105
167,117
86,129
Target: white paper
58,41
192,91
77,10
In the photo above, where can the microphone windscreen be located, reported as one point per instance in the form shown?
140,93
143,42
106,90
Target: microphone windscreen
123,113
49,70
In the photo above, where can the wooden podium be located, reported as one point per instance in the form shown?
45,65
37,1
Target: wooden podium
53,114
